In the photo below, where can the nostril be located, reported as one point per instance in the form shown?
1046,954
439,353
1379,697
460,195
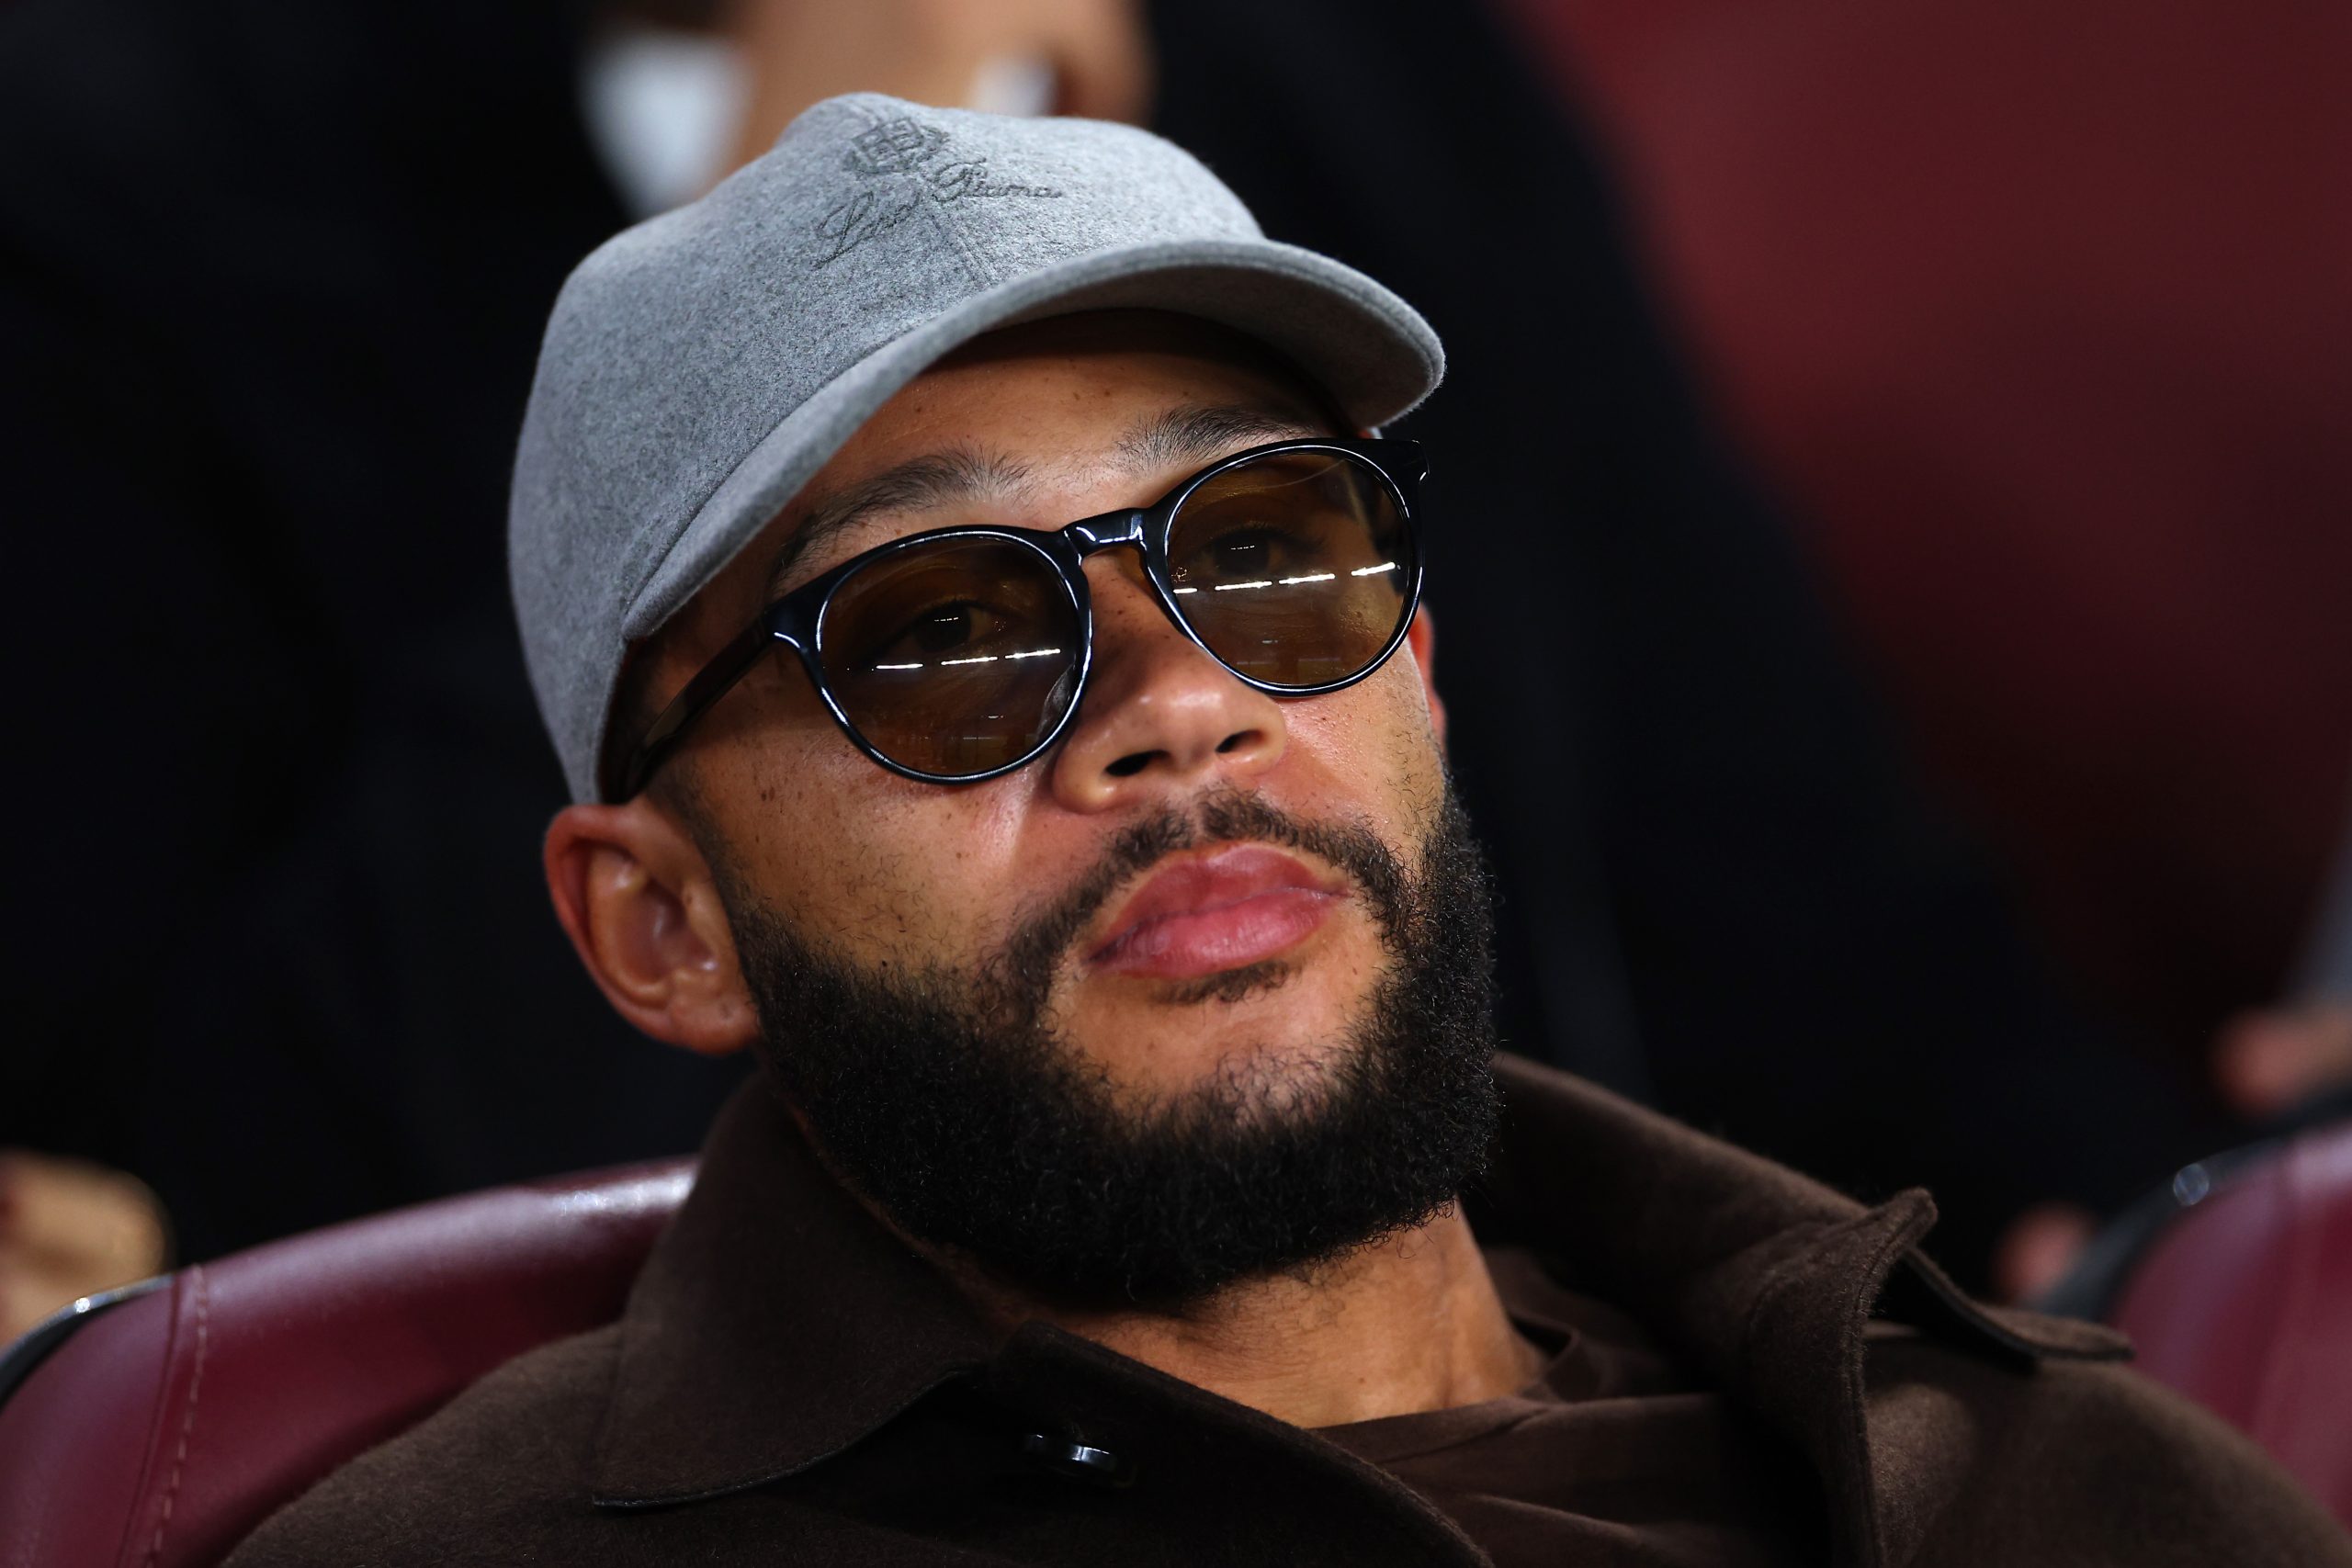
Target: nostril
1129,765
1233,742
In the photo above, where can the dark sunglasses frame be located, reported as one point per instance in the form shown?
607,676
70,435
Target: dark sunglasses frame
796,618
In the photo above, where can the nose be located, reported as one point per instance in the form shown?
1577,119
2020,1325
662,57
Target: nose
1159,717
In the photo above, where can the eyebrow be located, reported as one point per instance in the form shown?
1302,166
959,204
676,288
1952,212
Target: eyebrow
1198,433
960,477
929,483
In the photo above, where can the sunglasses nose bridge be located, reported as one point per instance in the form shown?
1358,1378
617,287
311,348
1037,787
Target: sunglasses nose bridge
1105,531
1129,527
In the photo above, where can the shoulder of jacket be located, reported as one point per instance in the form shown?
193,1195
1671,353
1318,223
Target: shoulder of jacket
2095,1461
505,1452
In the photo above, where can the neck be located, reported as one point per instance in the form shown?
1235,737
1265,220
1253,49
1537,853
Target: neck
1413,1324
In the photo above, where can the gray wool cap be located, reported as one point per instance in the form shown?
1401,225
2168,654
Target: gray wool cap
700,367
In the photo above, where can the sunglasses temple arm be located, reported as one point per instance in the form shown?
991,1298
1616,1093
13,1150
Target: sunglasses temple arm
714,681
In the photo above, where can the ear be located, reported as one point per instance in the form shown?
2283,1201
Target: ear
1421,637
640,904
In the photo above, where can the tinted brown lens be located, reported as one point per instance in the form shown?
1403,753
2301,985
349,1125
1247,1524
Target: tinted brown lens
952,659
1293,567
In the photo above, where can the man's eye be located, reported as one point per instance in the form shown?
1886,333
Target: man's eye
1243,553
940,635
939,630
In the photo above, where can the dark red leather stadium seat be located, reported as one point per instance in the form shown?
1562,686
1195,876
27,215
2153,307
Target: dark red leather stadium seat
168,1425
2245,1305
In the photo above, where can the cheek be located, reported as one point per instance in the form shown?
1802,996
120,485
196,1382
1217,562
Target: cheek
1377,741
889,869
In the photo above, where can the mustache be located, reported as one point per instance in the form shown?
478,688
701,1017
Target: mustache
1229,816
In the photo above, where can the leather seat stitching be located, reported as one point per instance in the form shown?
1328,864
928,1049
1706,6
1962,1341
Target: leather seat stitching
188,1418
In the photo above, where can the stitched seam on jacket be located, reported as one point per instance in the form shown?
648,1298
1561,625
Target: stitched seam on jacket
188,1418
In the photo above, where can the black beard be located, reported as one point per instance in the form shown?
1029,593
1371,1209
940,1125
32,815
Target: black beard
946,1101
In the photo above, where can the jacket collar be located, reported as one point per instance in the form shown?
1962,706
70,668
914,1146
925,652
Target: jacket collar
776,1322
1765,1277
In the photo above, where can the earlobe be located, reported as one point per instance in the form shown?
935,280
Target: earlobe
1421,637
633,893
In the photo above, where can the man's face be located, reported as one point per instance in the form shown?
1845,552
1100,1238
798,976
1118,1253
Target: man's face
1186,926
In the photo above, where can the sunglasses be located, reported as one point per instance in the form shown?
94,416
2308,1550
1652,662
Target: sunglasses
958,654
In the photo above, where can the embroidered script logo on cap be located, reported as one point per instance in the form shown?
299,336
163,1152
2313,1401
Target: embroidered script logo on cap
904,146
893,147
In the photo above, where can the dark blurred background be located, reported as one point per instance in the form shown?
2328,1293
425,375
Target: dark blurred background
1890,577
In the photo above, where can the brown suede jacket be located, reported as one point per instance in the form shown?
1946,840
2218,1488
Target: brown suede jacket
790,1384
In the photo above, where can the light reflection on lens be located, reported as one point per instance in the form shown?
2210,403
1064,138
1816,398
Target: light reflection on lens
983,659
923,649
1307,559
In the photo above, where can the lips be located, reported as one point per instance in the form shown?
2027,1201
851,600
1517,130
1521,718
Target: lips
1238,907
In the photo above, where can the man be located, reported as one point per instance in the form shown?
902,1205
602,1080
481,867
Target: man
989,665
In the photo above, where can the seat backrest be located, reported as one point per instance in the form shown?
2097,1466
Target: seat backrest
166,1428
2245,1305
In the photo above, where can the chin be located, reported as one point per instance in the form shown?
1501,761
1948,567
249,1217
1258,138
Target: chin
1271,1083
1268,1036
1255,1080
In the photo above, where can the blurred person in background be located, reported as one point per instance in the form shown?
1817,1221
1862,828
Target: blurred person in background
68,1228
272,277
2273,1063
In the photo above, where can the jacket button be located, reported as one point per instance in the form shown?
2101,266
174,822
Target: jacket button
1075,1460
